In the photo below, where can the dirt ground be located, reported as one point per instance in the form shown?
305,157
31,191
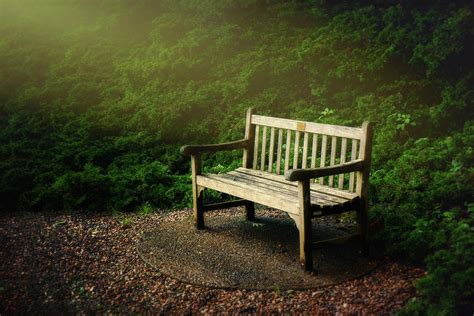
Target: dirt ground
88,263
232,252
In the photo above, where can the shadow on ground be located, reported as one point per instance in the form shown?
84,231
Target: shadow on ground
234,253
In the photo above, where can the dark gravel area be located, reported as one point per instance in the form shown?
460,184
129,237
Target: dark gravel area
88,263
235,253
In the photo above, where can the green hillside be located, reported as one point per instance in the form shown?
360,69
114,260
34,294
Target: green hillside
96,98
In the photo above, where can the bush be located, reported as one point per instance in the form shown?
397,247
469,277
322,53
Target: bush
94,107
448,287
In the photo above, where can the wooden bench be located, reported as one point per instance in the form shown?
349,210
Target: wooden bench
305,169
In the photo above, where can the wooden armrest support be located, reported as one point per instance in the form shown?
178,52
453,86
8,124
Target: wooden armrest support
189,150
306,174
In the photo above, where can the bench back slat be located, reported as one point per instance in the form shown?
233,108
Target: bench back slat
332,161
280,144
310,127
296,150
353,157
256,143
271,150
342,159
248,157
305,150
287,150
314,150
323,155
264,147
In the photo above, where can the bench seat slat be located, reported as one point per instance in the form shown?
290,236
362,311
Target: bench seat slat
244,191
316,197
274,191
280,185
314,186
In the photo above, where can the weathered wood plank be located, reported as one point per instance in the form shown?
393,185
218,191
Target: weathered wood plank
314,186
336,209
197,192
342,160
280,144
264,148
323,155
255,153
287,151
296,150
250,184
332,159
258,195
305,150
353,157
271,150
314,153
302,174
363,185
247,158
306,258
222,205
314,150
335,241
295,218
310,127
316,197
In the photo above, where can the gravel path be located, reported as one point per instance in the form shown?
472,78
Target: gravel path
86,263
262,254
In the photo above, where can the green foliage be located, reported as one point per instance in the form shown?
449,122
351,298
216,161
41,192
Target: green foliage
145,209
97,97
412,193
431,176
447,289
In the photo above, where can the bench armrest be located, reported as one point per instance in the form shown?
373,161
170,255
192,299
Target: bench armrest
306,174
189,150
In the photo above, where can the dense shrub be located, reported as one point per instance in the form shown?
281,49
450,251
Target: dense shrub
449,239
431,176
97,96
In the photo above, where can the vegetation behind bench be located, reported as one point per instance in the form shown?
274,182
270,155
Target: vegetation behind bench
97,126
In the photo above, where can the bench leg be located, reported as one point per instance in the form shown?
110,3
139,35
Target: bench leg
363,222
198,205
250,210
306,256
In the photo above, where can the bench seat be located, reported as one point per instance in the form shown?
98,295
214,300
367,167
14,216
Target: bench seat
276,192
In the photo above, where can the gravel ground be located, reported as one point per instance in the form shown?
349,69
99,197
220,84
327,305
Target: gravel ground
262,254
88,263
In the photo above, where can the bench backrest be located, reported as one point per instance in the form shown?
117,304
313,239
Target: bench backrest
277,145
